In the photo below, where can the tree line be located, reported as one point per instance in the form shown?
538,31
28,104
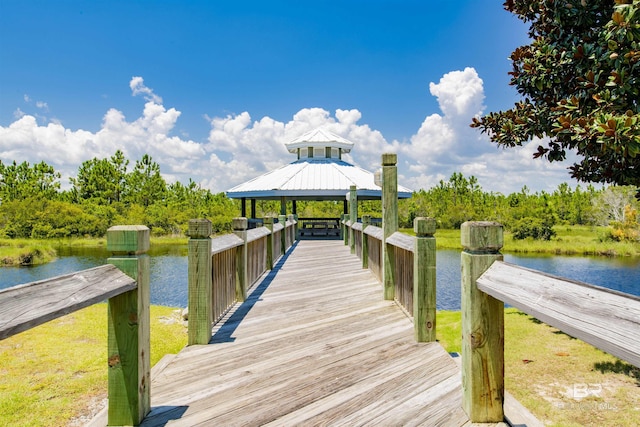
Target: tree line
103,193
107,192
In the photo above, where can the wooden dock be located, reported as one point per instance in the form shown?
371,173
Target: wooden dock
314,344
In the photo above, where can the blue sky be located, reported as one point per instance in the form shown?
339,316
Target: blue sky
213,89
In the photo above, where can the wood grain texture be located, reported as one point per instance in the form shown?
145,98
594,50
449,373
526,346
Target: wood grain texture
606,319
401,240
26,306
314,344
225,242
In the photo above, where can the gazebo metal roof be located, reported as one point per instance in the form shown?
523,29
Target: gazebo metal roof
314,178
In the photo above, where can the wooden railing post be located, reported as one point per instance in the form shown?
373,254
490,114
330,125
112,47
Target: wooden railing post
389,221
353,212
128,329
345,229
482,326
366,221
282,219
200,298
240,226
294,234
268,222
424,280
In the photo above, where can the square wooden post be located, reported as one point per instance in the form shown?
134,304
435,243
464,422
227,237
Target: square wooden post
424,280
282,219
128,328
389,221
345,228
482,326
200,298
268,222
240,226
366,221
353,212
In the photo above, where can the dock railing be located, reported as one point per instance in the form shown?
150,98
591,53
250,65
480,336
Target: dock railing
414,277
222,269
124,282
604,318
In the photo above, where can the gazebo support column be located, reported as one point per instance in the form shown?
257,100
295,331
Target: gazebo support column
294,207
253,209
243,209
345,209
283,205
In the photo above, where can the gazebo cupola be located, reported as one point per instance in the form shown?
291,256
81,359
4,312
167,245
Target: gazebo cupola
319,144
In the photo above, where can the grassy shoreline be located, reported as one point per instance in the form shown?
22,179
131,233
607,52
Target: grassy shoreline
569,240
24,252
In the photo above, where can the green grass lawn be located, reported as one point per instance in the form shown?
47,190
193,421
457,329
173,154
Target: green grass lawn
546,369
53,373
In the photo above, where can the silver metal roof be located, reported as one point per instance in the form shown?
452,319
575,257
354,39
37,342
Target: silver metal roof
319,138
314,178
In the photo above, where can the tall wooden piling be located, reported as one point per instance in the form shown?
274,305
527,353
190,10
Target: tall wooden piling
128,328
482,326
424,280
200,300
389,221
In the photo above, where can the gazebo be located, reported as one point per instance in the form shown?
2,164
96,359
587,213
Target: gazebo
319,173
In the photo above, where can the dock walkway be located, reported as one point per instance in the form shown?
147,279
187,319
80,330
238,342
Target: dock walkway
314,344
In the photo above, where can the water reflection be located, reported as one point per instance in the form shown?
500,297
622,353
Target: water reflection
169,272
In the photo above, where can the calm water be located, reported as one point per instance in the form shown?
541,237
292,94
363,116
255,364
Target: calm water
169,272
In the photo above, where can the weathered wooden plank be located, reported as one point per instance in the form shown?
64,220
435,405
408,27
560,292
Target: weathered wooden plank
257,233
128,326
200,297
26,306
374,231
401,240
303,351
482,325
304,348
601,317
224,242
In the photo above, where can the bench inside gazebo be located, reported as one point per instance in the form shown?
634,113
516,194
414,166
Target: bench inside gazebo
318,174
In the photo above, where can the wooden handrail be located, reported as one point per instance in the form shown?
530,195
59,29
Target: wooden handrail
414,275
223,269
26,306
124,282
401,240
604,318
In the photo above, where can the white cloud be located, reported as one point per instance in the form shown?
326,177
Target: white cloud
138,88
239,148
